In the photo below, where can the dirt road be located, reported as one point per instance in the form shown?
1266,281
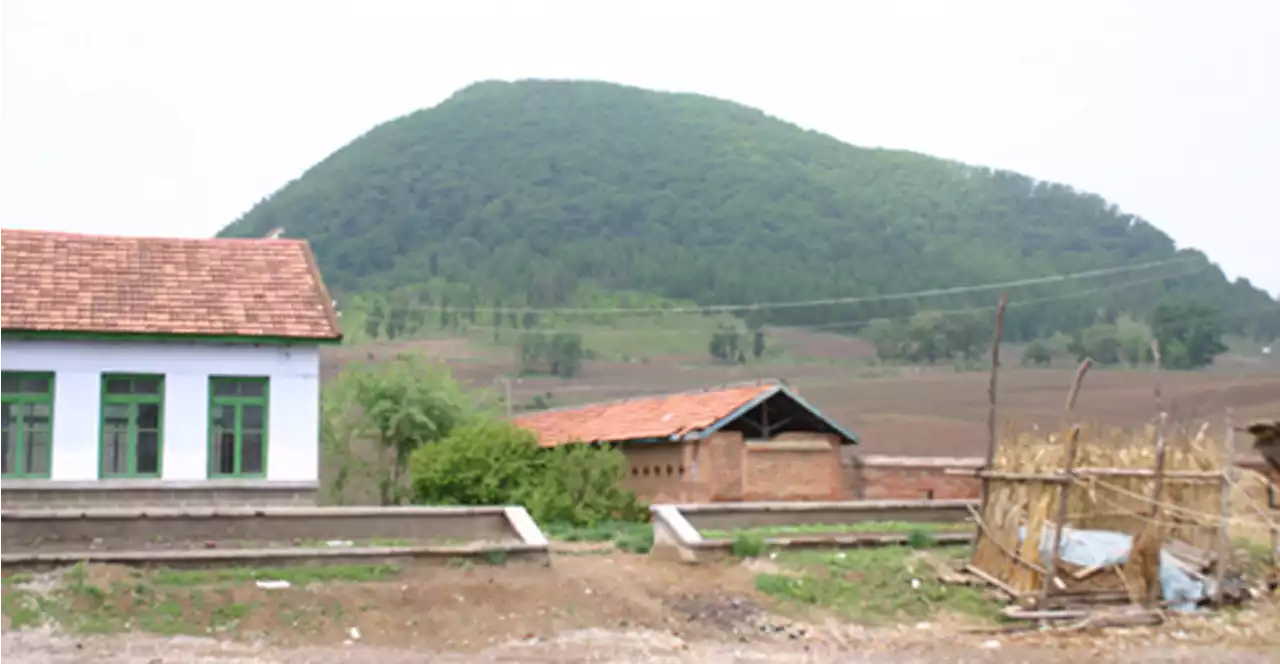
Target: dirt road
586,607
623,647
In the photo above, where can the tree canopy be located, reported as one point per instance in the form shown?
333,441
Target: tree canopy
526,193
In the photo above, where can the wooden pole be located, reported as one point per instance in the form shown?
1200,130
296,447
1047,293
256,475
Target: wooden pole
1157,494
991,389
1224,516
1155,373
1059,523
991,415
1075,385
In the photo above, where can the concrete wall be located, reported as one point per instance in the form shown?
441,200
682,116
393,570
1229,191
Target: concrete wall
44,494
117,529
293,407
739,516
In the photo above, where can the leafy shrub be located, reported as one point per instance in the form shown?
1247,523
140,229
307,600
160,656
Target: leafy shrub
492,462
489,462
582,485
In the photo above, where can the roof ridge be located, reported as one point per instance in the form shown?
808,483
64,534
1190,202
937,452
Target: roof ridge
59,283
723,387
164,238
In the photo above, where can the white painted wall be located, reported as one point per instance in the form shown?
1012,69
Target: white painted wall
293,442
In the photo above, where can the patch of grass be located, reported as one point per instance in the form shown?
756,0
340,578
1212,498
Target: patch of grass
297,576
630,536
839,529
23,609
17,579
872,585
920,539
747,545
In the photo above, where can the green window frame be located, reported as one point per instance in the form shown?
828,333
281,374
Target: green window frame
27,398
131,426
238,417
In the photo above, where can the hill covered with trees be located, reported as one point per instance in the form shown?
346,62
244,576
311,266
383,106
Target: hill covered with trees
550,193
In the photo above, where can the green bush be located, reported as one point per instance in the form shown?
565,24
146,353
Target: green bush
492,462
488,462
582,485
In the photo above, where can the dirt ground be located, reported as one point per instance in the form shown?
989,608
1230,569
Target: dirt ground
592,606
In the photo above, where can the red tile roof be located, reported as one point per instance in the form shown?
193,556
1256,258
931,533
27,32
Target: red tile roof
649,417
64,282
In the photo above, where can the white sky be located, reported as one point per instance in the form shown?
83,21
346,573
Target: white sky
172,117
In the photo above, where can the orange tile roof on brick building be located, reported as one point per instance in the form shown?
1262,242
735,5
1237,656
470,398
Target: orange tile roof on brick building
98,284
670,416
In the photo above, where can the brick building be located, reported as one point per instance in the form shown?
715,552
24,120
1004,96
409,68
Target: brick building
735,443
151,371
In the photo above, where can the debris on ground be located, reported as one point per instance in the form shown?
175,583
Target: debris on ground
1090,582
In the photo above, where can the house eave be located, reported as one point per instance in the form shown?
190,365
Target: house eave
15,334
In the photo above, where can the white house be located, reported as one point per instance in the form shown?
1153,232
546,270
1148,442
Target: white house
151,371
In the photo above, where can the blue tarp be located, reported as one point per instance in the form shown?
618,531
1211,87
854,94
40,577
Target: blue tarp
1088,548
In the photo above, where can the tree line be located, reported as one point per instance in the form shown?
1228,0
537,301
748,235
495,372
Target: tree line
530,193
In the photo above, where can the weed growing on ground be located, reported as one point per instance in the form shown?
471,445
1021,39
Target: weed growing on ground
298,576
872,585
170,601
919,539
747,545
630,536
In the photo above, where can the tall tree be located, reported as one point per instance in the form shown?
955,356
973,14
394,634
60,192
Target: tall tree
1189,333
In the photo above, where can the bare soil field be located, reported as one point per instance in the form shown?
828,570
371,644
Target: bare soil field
925,411
588,606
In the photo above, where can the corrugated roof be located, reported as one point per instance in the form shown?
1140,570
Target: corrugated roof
667,416
66,282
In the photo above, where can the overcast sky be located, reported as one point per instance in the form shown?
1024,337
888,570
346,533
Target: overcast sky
173,117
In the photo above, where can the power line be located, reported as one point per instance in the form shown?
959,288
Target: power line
794,304
849,324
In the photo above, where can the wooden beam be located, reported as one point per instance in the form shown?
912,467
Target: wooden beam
1060,523
1224,517
1157,494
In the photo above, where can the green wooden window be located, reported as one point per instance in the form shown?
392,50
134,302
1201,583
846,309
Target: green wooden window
28,423
237,427
132,426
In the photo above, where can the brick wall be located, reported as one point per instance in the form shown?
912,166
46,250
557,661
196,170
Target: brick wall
722,459
916,478
908,478
727,468
658,472
792,468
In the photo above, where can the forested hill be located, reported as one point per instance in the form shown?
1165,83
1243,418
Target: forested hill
526,192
